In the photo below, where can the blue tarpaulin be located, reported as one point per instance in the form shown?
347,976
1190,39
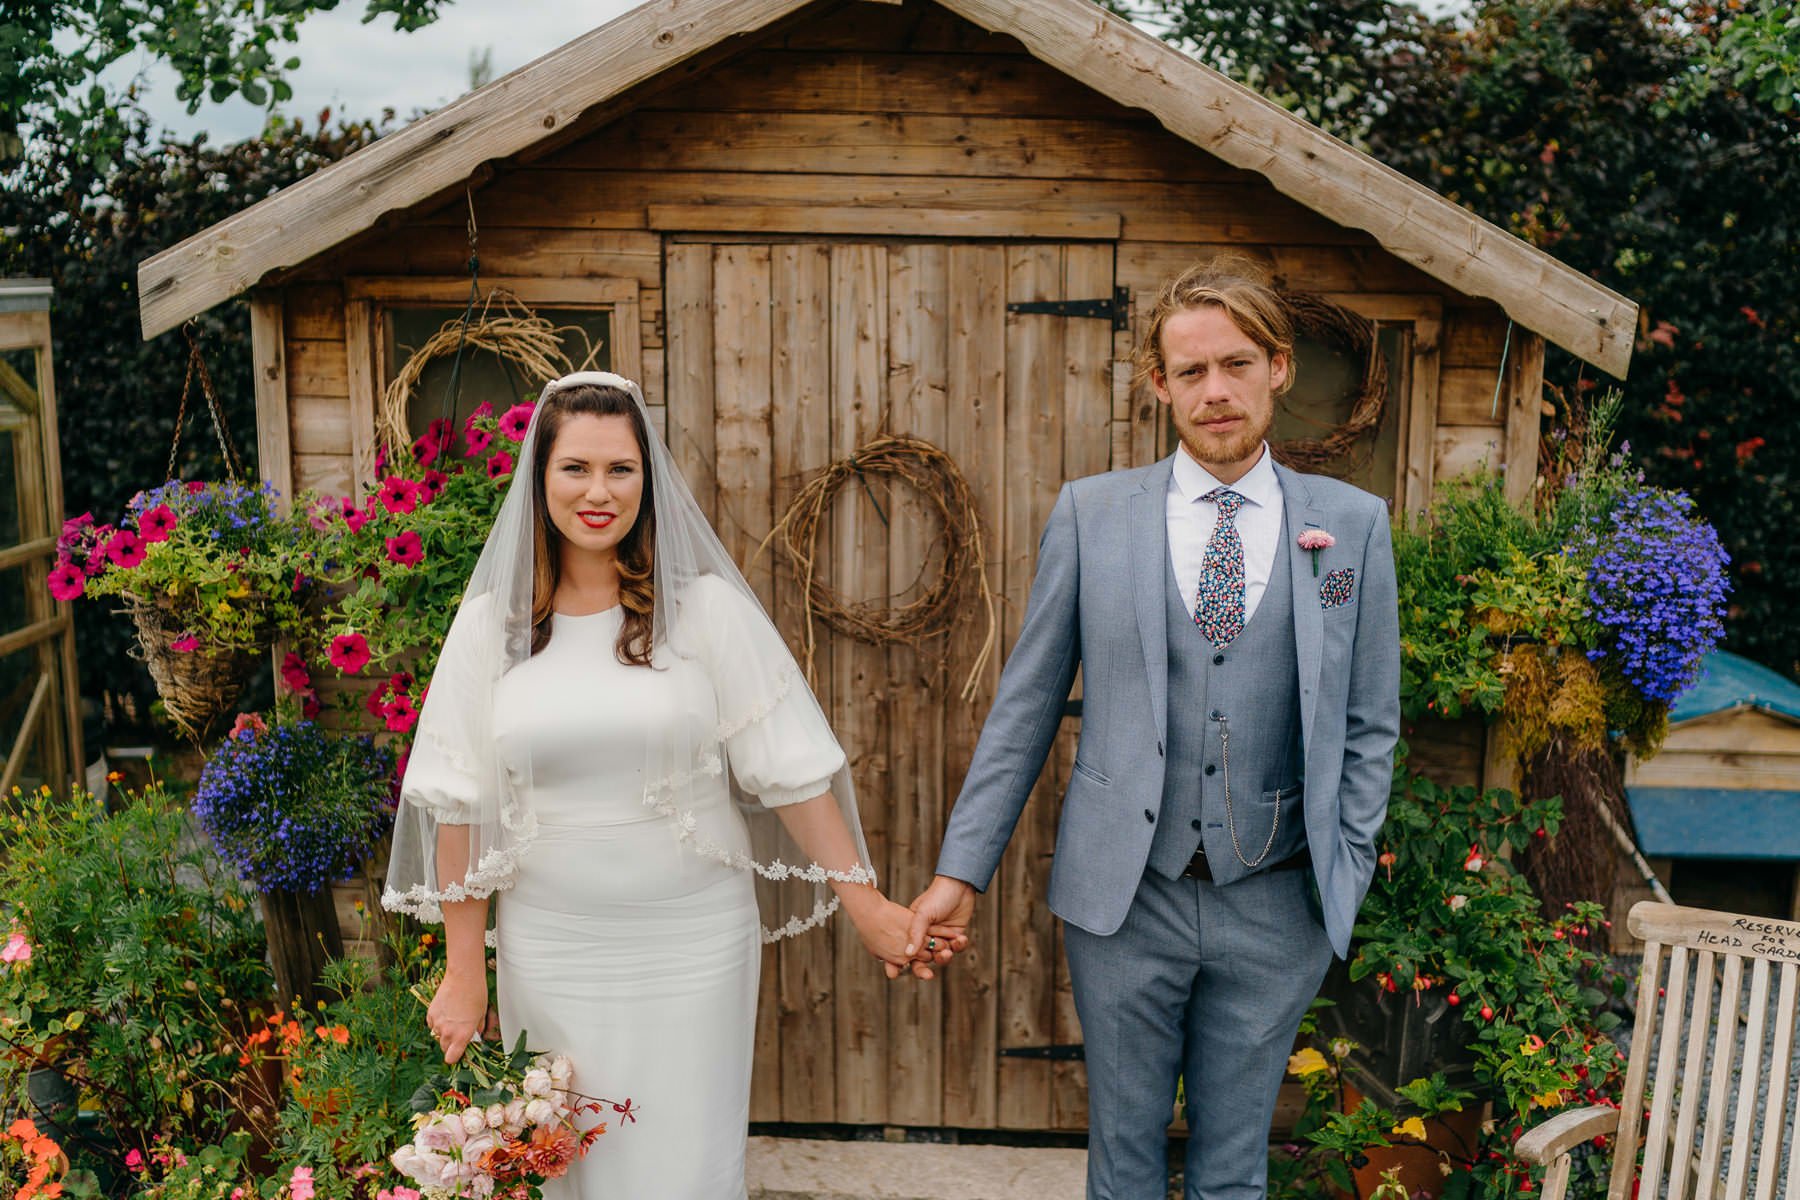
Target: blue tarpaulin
1730,682
1716,822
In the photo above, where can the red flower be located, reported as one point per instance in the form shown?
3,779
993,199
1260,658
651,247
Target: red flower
158,523
185,644
401,715
294,673
195,487
406,549
432,486
516,421
398,495
126,548
349,652
484,409
67,581
475,439
251,723
500,465
376,704
310,706
425,449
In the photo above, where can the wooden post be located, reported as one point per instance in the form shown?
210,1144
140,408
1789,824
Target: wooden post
302,931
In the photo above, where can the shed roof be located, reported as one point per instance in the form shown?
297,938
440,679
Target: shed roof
1678,822
1108,54
1731,682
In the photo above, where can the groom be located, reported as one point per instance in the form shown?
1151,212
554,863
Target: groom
1240,709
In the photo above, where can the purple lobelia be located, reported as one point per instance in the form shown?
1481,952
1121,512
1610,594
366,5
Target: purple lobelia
1657,588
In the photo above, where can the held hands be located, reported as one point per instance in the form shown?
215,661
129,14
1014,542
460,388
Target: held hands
459,1012
948,904
886,929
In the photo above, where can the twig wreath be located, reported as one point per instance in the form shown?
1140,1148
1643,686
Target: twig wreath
1354,336
505,327
933,475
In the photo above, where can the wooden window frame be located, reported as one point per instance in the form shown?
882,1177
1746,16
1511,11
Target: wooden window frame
366,299
1416,451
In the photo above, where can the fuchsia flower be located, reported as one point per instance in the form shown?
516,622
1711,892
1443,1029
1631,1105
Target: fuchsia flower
516,421
67,581
125,548
1476,859
398,495
406,549
476,440
157,524
187,643
500,465
349,652
17,950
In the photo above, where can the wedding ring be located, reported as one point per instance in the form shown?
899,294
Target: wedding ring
931,944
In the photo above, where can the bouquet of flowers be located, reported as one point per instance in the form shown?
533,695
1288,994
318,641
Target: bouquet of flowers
499,1124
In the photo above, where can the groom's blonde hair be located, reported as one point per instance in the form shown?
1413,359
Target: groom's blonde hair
1236,283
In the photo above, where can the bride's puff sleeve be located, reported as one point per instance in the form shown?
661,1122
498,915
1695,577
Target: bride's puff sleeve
777,741
451,766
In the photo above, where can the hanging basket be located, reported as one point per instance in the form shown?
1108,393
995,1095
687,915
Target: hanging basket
197,686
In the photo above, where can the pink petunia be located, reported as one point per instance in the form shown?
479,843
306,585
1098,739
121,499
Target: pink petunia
516,421
401,715
500,465
185,644
18,950
125,549
349,652
406,549
300,1184
67,581
398,495
356,518
295,674
476,440
425,449
157,524
432,486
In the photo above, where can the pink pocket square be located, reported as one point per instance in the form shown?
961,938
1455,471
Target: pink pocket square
1337,588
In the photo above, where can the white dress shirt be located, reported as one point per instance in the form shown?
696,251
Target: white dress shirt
1191,523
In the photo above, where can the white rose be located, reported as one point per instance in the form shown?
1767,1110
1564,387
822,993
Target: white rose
537,1082
515,1111
473,1121
496,1115
477,1146
540,1112
561,1071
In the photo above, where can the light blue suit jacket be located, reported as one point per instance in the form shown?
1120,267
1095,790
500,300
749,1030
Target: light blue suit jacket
1097,602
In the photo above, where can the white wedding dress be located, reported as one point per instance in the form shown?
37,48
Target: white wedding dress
618,944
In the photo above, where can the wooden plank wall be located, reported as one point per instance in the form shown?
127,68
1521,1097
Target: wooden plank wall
866,113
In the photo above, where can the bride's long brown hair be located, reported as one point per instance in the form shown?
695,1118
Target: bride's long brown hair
637,550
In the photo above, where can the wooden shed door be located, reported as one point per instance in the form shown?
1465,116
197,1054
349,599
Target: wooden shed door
783,358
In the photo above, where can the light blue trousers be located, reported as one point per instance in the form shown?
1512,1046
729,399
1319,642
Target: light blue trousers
1207,983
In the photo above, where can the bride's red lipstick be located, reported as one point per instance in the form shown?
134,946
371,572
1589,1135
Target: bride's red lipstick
597,520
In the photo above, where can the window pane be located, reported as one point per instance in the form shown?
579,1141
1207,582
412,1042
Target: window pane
20,673
585,335
11,502
1323,394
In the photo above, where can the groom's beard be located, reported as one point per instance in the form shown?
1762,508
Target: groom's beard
1213,450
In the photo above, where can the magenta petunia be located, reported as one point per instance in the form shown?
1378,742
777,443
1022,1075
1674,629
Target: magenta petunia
398,495
432,486
195,486
401,715
186,644
516,421
425,449
125,549
477,440
157,524
356,518
500,465
67,581
349,652
294,673
406,549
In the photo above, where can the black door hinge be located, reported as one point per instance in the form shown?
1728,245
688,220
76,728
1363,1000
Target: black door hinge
1117,309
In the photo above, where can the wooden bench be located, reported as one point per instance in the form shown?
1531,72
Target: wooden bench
1689,954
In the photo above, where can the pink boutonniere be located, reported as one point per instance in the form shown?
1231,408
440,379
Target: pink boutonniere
1316,540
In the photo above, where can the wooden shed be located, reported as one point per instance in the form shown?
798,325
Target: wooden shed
798,222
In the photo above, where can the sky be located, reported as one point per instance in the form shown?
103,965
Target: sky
359,69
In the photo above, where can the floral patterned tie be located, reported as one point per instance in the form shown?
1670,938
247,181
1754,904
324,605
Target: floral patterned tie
1219,607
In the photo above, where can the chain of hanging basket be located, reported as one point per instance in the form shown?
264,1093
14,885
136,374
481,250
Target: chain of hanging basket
1352,335
933,476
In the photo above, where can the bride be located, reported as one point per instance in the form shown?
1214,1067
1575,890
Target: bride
619,751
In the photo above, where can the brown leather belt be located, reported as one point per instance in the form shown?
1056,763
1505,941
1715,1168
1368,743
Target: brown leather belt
1198,869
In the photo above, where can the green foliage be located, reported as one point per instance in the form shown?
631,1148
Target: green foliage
86,228
52,53
144,958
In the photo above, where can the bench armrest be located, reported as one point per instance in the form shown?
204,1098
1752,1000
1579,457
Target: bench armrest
1546,1143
